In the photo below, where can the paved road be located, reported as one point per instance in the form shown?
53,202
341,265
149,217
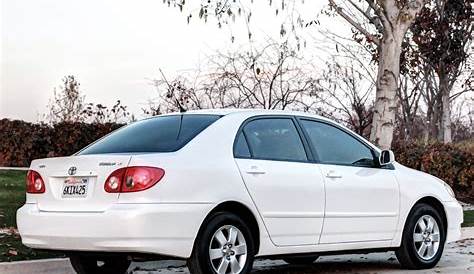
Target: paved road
458,258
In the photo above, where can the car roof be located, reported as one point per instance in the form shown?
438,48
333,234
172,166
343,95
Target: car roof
250,112
255,112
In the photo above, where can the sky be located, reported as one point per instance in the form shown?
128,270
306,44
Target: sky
113,47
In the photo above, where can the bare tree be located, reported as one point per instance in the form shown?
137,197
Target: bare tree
463,119
99,113
67,104
409,95
347,82
271,78
381,22
388,21
346,92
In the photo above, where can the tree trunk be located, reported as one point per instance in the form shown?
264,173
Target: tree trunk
445,123
386,89
431,126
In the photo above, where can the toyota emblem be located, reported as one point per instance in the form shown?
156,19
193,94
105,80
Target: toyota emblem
72,170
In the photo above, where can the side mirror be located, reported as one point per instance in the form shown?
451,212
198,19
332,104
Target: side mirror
386,157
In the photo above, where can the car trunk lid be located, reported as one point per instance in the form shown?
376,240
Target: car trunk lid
76,183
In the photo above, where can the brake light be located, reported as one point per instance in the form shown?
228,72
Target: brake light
34,183
133,179
114,181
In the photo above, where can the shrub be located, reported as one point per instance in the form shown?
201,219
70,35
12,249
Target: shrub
22,142
453,163
71,137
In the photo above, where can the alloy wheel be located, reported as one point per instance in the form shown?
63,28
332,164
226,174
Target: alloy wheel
228,250
426,237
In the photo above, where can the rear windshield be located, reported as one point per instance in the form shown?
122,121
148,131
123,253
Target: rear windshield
160,134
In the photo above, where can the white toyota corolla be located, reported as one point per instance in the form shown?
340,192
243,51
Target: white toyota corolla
221,187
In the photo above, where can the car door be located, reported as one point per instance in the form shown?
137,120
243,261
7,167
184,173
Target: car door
362,199
287,189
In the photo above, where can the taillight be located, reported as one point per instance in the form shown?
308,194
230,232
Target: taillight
132,179
114,181
34,183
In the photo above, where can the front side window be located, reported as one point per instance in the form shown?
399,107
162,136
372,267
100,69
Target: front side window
274,139
334,146
159,134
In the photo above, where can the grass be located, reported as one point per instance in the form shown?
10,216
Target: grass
12,196
468,218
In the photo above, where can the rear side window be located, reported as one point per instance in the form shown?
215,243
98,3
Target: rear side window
160,134
241,148
274,139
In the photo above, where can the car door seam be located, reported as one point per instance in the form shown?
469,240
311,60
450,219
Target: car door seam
253,201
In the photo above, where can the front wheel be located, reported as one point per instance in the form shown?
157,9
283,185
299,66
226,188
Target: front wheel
224,245
423,238
85,264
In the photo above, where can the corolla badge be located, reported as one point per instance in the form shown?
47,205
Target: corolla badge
72,170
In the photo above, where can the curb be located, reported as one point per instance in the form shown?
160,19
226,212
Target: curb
13,168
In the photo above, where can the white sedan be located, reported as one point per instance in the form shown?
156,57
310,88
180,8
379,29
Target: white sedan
221,187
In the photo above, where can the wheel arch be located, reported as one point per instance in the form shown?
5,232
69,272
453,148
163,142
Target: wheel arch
406,251
243,212
436,204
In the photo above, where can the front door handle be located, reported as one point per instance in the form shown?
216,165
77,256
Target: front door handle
333,174
255,170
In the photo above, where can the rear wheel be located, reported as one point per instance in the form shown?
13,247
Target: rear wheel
301,260
423,238
225,245
84,264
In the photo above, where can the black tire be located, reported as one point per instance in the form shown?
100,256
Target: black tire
85,264
301,260
407,254
200,262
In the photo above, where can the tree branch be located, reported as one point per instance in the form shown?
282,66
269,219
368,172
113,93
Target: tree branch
372,19
356,25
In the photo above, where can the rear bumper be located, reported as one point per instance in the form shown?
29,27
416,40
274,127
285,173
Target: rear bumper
455,217
165,229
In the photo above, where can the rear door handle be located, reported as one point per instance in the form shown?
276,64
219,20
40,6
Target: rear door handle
333,174
255,170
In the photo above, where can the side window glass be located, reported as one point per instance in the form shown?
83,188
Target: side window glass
241,148
275,139
334,146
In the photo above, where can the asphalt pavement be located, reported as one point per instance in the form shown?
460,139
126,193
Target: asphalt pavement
458,257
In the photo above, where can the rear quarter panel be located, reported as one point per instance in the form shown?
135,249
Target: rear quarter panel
203,171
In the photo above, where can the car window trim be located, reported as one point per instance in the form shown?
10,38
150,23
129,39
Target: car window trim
186,141
315,152
246,143
307,149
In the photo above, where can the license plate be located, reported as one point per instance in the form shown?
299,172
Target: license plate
75,188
